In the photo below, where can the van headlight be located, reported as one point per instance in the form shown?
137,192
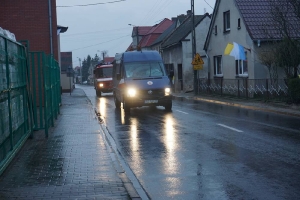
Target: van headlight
167,91
100,84
131,92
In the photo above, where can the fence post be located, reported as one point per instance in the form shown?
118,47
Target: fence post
8,95
208,85
222,87
238,88
247,88
267,87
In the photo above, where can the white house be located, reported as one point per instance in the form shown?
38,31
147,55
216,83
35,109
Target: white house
176,50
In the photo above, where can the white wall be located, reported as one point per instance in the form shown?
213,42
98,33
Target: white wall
188,72
174,56
217,43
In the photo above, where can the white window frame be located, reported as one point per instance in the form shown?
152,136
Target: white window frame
217,62
241,65
226,16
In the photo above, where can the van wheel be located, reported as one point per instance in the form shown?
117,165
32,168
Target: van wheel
117,102
168,106
126,107
98,93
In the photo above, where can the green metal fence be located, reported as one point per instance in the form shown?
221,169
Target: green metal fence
45,88
15,123
30,95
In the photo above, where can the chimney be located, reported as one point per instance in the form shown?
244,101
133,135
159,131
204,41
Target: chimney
174,19
189,12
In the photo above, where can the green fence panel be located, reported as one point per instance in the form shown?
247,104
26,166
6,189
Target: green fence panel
14,111
45,87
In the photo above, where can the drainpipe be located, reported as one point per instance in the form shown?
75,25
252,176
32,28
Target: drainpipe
208,70
50,26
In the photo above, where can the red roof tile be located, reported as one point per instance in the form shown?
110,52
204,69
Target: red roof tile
155,32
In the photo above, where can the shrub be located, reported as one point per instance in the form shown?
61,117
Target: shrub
294,89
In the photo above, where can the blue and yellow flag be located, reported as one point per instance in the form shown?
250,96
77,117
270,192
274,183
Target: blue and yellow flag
235,50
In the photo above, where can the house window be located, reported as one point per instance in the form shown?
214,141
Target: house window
241,67
216,30
218,65
239,23
226,21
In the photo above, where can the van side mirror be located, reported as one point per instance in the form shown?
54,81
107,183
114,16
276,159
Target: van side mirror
118,77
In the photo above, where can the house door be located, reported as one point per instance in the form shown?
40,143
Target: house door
180,80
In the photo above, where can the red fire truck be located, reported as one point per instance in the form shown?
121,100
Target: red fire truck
103,79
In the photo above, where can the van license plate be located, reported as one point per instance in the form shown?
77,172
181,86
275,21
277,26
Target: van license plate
151,101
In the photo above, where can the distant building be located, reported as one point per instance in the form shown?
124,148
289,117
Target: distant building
66,62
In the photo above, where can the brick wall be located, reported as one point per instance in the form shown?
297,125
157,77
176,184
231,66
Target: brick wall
29,20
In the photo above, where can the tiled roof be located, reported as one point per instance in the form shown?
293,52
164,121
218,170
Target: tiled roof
148,40
182,31
260,23
130,47
155,32
165,34
142,30
258,20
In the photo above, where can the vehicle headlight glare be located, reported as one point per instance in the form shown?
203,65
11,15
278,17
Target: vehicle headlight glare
167,91
131,92
100,84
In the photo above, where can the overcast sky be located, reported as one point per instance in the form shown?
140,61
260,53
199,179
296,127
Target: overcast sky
104,25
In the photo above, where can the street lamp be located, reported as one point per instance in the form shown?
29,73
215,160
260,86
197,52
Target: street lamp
80,70
137,34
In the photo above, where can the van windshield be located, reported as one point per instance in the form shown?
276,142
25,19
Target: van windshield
105,72
144,69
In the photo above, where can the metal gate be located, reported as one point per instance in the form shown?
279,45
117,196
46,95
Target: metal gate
45,87
30,95
15,123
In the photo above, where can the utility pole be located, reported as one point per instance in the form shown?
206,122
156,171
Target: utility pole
137,34
80,70
137,37
194,44
103,53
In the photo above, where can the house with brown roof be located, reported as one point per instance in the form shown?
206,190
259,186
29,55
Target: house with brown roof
251,26
147,40
176,50
156,45
138,32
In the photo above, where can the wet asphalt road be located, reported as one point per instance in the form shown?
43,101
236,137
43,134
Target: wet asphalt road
206,151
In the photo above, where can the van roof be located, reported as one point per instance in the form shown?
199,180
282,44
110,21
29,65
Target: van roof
138,56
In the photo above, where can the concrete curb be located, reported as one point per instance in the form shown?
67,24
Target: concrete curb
259,108
133,194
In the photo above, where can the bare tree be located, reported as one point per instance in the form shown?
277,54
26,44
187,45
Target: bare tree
283,30
267,58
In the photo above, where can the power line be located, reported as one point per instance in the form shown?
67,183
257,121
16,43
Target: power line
163,5
208,4
151,10
66,35
100,43
94,4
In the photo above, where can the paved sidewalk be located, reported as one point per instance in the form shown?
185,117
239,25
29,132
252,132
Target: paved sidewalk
74,162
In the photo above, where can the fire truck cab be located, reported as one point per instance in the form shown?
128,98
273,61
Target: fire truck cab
103,79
